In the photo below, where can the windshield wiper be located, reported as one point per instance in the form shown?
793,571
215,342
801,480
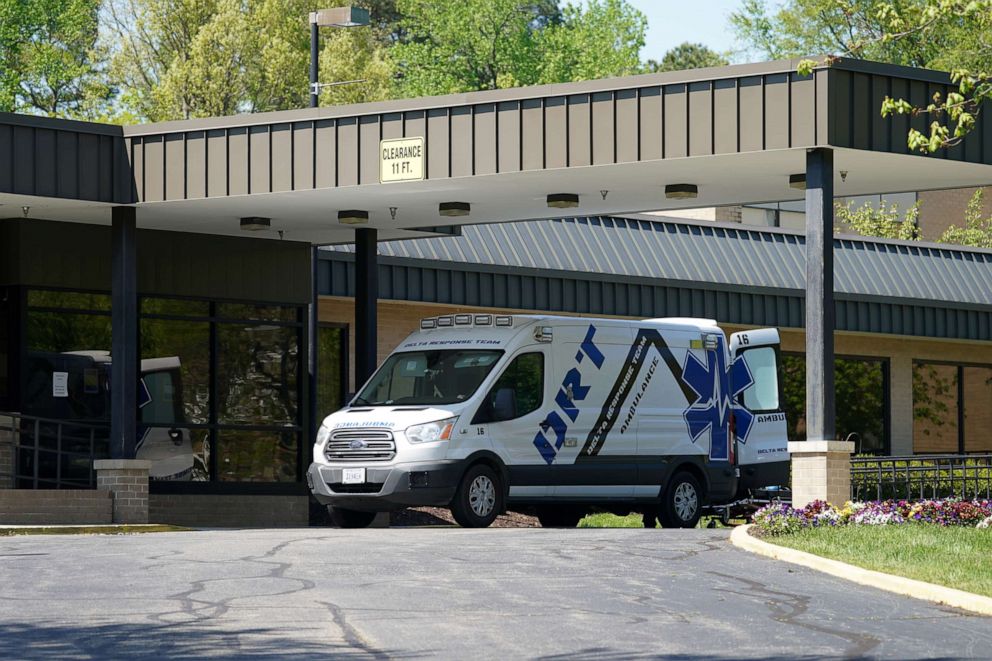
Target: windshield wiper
361,401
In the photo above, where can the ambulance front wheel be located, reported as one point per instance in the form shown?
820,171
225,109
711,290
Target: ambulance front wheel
479,498
682,502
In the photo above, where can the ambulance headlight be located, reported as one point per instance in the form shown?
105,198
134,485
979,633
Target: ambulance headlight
322,435
431,431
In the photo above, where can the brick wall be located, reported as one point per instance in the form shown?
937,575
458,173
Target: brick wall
51,507
8,441
229,511
940,209
398,318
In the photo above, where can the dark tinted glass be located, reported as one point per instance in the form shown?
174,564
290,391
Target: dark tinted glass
175,366
251,456
977,385
67,366
331,377
860,387
259,312
257,368
175,306
40,298
522,386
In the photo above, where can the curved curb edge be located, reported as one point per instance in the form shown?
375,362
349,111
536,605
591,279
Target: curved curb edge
741,538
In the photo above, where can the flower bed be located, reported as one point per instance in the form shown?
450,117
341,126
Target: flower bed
783,519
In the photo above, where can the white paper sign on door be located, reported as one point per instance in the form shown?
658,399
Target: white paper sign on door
60,384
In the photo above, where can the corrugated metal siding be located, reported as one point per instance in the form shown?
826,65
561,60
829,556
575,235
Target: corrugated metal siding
64,159
856,94
624,266
548,291
636,119
699,253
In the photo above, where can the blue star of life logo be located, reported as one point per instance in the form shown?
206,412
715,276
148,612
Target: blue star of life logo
717,386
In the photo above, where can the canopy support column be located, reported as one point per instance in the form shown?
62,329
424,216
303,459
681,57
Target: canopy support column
124,334
821,465
366,300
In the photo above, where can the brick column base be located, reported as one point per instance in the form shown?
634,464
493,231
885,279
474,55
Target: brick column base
821,470
127,482
8,441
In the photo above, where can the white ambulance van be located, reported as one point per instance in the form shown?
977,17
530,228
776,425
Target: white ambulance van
483,413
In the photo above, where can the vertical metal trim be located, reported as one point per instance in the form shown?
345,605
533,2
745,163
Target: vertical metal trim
124,334
313,154
186,165
961,409
214,387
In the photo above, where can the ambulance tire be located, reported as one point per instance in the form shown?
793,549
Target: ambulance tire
563,516
682,502
343,518
479,498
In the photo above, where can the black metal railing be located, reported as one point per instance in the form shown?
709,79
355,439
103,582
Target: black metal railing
45,453
966,476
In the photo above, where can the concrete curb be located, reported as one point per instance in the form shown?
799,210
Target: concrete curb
909,587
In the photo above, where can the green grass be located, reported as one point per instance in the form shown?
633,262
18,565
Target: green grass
953,557
607,520
89,530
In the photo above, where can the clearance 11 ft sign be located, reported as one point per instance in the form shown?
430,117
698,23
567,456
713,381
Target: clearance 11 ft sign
401,159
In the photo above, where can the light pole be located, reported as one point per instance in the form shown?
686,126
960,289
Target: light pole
338,17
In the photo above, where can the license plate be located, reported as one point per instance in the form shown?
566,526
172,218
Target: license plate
353,476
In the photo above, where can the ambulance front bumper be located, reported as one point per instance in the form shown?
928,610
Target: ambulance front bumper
396,486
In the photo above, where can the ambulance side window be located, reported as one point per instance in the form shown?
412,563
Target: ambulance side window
762,395
519,390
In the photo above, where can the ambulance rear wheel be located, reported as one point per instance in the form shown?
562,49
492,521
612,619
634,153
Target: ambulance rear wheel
559,517
682,502
479,498
343,518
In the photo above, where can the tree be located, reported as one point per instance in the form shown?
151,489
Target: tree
884,221
952,35
197,58
603,39
888,222
450,47
49,59
977,231
686,56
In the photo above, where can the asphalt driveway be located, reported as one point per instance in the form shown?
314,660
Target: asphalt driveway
451,593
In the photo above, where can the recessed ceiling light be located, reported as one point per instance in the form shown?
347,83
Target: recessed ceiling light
798,181
255,223
353,217
454,208
563,200
681,191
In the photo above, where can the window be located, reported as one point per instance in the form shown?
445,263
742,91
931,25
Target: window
762,395
332,370
257,368
952,408
175,364
518,391
257,456
6,319
861,400
428,377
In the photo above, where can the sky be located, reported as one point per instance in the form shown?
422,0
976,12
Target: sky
672,22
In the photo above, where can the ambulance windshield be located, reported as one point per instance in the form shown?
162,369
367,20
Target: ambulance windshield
428,377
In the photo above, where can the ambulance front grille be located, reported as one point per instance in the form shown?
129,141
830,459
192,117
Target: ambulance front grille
360,445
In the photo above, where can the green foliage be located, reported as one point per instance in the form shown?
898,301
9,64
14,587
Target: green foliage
686,56
889,222
884,221
453,47
49,59
977,231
